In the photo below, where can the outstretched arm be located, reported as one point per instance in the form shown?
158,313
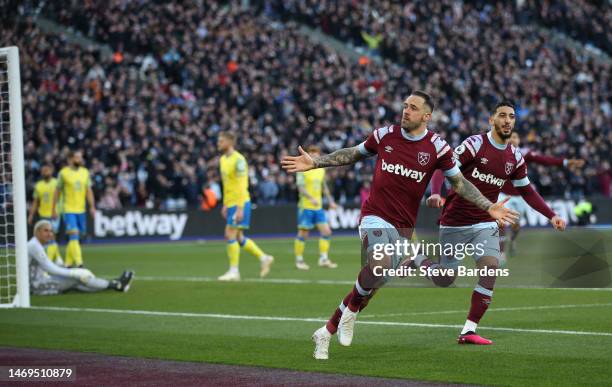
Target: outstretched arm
305,162
469,192
533,198
344,156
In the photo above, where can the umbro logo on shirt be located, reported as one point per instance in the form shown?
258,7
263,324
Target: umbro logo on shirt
388,149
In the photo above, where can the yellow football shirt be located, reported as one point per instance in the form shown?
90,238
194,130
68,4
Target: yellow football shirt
312,181
235,178
73,184
43,191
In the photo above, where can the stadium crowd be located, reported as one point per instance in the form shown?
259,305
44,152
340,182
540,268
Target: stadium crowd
583,20
148,116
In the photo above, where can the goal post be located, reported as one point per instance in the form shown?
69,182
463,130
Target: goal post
14,271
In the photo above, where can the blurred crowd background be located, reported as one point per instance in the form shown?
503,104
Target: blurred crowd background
148,115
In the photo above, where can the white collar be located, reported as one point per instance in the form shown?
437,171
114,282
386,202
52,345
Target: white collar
495,143
410,137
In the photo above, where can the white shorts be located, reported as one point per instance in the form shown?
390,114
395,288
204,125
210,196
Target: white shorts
478,240
374,230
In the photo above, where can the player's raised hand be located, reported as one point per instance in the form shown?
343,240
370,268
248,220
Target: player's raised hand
499,212
558,223
575,163
300,163
434,201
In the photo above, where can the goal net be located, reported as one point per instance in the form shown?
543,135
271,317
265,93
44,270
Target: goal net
14,284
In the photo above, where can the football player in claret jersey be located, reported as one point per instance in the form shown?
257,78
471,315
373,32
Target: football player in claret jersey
312,185
408,154
42,207
237,208
488,161
74,185
516,201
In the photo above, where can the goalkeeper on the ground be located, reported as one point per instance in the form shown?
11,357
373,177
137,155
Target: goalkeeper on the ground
48,278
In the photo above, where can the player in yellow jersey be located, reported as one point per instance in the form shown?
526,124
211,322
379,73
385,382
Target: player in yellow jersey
42,204
312,185
237,208
74,185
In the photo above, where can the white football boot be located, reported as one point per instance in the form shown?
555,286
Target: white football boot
266,262
231,275
346,327
321,338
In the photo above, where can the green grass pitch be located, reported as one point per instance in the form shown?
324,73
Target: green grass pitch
406,332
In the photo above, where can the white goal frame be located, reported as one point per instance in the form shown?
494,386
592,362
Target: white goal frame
22,296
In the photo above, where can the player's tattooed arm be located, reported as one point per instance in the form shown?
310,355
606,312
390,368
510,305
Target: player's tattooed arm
344,156
469,192
305,162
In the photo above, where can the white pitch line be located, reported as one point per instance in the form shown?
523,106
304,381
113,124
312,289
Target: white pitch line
284,281
297,281
303,319
509,309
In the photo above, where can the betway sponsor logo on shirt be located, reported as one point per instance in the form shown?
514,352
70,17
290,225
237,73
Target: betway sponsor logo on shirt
137,224
399,169
487,178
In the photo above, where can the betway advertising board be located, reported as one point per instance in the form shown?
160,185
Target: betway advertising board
137,223
278,220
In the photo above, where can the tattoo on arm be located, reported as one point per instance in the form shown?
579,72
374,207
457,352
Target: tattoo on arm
344,156
469,192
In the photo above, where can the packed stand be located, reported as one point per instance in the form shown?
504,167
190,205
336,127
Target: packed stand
472,53
587,21
148,116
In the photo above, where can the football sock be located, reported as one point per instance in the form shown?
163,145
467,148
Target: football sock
250,246
334,320
298,248
73,251
364,288
324,243
53,251
481,299
233,253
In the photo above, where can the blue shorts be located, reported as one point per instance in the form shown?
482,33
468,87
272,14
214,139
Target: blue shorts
307,219
55,223
246,218
76,222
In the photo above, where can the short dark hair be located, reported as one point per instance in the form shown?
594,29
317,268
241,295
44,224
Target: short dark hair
228,135
428,100
505,102
72,152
